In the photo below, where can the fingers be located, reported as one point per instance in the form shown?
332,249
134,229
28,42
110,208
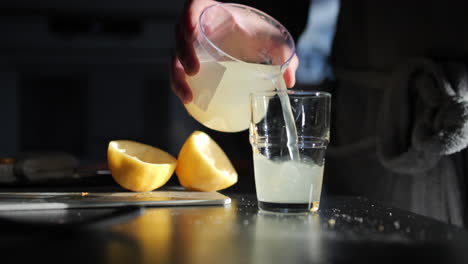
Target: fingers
290,73
179,83
186,61
186,32
185,36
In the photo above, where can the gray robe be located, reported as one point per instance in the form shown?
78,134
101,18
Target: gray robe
399,68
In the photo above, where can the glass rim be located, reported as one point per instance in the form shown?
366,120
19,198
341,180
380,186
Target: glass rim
292,93
202,30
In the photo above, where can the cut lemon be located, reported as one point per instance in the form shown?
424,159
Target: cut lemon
203,166
138,167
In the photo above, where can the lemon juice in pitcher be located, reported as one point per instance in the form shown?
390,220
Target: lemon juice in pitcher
241,50
221,93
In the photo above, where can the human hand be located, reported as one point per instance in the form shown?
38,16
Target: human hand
185,61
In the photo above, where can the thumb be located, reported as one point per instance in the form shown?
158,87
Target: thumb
290,73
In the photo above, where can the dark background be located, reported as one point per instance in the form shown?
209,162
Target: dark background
76,74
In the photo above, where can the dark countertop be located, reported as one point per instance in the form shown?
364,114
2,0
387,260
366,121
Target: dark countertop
346,230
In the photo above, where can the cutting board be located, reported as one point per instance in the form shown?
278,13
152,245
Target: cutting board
62,200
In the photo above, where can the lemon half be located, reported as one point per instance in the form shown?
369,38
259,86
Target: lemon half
203,166
138,167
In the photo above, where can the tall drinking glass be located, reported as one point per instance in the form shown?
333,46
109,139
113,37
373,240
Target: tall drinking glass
284,184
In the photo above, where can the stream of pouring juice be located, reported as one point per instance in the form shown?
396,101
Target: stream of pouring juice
291,131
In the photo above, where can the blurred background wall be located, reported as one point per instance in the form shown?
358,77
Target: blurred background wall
75,74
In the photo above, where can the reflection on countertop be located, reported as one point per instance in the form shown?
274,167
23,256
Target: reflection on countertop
346,230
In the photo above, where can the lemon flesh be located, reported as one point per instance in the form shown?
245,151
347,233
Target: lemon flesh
203,166
138,167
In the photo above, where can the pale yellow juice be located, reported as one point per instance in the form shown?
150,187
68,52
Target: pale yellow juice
222,92
288,182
